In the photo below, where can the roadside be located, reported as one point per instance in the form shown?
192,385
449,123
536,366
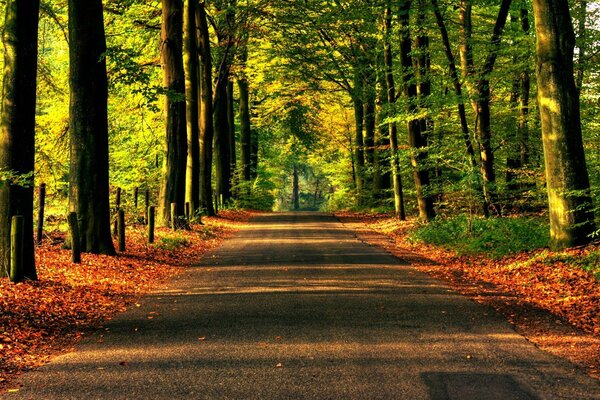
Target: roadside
41,319
553,304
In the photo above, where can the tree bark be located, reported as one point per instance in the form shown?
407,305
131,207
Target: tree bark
88,126
416,140
175,162
571,212
245,128
359,153
296,189
231,125
222,149
192,86
206,117
17,127
393,129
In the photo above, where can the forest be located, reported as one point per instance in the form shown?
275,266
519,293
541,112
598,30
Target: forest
426,109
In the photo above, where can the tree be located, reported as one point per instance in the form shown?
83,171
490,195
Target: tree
571,215
192,86
206,116
17,127
416,138
88,126
173,182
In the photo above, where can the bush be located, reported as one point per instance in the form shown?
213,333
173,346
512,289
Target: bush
496,237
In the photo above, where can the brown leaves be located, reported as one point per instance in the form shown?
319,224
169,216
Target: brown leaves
37,319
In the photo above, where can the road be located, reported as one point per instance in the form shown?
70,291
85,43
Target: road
296,307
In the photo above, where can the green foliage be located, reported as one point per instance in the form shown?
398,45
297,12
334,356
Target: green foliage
16,179
172,242
256,194
496,237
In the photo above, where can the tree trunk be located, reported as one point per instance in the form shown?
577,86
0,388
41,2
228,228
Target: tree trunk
17,129
175,162
192,74
519,147
571,212
416,140
359,153
88,126
222,150
231,125
206,116
254,144
245,129
393,129
296,190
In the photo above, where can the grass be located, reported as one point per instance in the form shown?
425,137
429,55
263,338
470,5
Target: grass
495,237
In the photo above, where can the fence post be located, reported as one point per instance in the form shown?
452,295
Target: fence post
117,208
150,212
121,229
174,216
147,205
75,239
16,249
40,221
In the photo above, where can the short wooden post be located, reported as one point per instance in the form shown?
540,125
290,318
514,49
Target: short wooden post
187,211
16,248
216,203
135,198
75,239
121,226
174,216
117,208
150,213
146,204
40,220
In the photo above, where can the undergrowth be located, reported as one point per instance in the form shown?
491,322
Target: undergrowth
495,237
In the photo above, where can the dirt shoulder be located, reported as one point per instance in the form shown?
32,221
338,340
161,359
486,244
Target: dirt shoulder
556,306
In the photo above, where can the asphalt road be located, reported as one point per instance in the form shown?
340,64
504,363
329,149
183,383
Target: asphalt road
296,307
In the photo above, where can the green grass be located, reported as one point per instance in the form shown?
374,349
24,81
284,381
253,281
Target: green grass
171,243
495,237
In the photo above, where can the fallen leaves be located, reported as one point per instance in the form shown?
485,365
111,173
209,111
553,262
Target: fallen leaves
39,319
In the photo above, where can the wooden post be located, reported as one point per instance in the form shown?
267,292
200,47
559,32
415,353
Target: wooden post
150,212
174,216
117,208
75,239
40,221
121,230
147,205
16,249
216,203
187,211
135,198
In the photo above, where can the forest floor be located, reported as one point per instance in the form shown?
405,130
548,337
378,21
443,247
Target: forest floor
43,318
548,300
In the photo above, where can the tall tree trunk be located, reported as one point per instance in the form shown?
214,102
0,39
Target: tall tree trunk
17,129
245,128
192,86
88,126
175,162
296,189
231,124
254,144
571,213
480,88
359,153
456,82
222,150
393,129
416,140
519,147
206,116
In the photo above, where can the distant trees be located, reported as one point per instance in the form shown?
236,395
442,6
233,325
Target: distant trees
17,128
88,126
